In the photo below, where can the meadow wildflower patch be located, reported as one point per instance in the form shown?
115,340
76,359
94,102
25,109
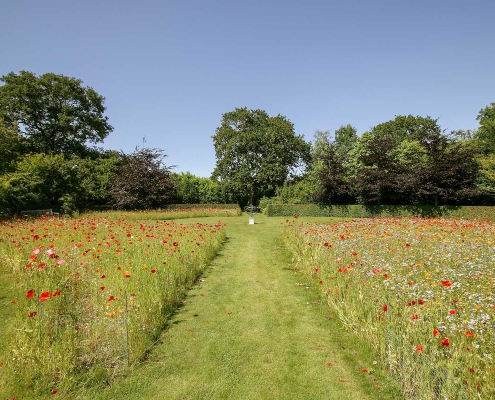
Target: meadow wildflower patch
93,294
421,290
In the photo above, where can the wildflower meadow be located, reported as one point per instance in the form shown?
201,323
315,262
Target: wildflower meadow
91,295
421,290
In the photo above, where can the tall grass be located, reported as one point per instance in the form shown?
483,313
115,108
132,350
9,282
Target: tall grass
421,290
91,295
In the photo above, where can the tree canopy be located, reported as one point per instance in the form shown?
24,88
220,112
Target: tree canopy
255,151
141,181
55,113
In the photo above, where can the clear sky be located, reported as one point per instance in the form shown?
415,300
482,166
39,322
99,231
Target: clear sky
170,69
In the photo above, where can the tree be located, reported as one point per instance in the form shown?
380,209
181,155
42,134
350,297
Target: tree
451,174
142,181
56,114
328,166
39,181
12,146
486,131
345,139
256,152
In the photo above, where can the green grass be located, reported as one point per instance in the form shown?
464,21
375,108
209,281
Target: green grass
249,329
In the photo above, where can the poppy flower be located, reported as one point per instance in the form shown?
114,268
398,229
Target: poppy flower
446,283
153,271
469,334
30,294
111,298
32,314
415,316
385,308
420,348
435,332
445,342
44,296
57,293
176,244
452,312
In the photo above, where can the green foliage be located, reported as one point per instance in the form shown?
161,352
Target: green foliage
39,181
191,189
141,181
256,152
57,113
362,211
329,168
486,131
300,192
11,148
93,177
403,161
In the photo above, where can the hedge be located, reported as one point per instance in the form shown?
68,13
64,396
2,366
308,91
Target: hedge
191,206
361,211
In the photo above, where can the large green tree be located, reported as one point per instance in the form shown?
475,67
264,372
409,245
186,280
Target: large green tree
257,153
55,112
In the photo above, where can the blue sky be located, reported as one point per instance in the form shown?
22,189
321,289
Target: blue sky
169,69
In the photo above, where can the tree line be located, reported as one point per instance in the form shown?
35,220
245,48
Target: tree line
51,126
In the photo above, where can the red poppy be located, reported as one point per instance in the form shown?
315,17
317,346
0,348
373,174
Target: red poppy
420,301
446,283
420,348
111,298
32,314
30,294
445,342
102,287
44,296
452,312
385,276
435,332
57,293
385,308
153,271
176,244
469,334
415,316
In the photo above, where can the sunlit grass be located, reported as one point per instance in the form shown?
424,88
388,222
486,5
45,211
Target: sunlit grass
421,290
175,212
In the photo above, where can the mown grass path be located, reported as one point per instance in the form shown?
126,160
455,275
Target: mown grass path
251,330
